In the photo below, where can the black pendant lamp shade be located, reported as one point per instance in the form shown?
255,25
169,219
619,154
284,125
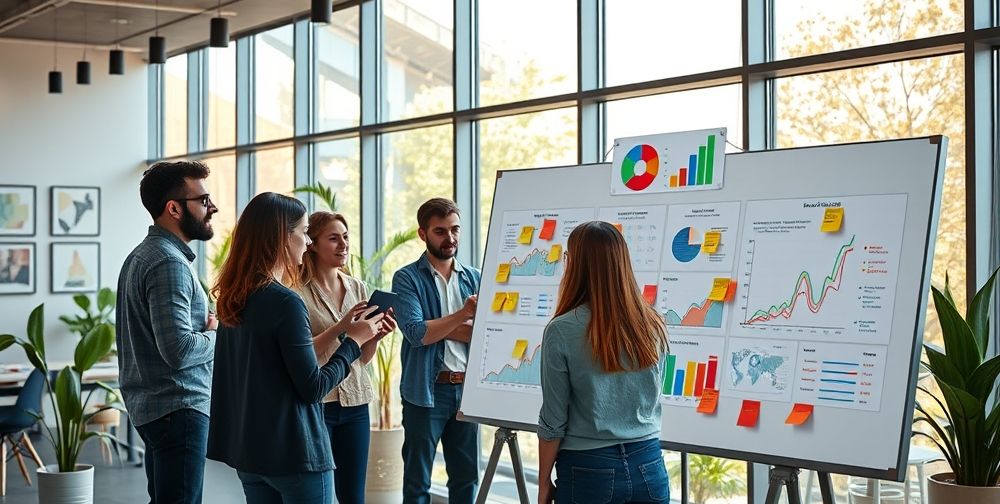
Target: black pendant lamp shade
116,62
157,50
321,11
83,72
55,82
219,33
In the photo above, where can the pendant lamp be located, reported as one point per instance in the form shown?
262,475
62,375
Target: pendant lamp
219,30
321,11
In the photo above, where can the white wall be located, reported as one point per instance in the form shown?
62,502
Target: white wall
89,135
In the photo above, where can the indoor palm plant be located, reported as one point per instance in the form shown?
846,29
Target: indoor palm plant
61,482
966,424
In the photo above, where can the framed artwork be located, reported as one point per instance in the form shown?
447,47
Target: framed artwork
17,268
76,211
17,210
76,267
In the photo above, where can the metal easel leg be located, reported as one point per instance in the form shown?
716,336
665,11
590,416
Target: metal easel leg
515,460
825,487
504,436
783,476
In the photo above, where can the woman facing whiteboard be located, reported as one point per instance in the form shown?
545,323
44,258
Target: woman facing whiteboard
602,357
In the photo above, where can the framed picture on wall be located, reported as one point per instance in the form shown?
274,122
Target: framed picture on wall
76,211
17,210
17,268
76,267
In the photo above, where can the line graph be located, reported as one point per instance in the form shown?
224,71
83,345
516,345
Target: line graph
536,263
708,313
683,301
504,365
523,372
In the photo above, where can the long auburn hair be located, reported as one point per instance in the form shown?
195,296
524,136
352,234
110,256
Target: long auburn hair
260,242
625,332
318,223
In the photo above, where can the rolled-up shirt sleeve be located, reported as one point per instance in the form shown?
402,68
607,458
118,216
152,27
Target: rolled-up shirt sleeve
553,417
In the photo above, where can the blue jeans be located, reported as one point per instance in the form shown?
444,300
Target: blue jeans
175,456
350,432
630,472
300,488
422,429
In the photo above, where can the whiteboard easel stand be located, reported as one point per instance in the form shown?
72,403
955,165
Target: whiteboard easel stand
788,477
504,436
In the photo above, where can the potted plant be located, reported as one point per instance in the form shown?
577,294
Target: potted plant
966,424
66,481
83,324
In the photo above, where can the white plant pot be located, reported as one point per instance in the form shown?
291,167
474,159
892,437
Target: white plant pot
941,489
75,487
385,467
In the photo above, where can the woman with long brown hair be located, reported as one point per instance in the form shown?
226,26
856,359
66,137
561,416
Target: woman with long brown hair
334,298
267,386
602,357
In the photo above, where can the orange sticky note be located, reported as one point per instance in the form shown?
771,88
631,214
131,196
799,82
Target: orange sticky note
693,236
618,226
649,294
708,402
555,253
719,288
498,300
548,229
832,219
710,244
503,273
527,233
730,291
749,413
511,303
520,346
800,413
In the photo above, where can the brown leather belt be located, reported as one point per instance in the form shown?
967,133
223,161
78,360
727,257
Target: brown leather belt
453,377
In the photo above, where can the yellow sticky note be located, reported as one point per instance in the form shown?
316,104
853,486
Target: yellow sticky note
498,300
555,253
832,219
520,346
710,244
719,288
511,303
527,233
503,272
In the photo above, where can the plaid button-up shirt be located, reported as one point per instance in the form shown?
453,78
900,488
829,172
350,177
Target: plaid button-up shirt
164,352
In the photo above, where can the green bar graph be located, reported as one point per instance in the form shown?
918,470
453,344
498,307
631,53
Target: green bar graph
668,375
710,162
701,165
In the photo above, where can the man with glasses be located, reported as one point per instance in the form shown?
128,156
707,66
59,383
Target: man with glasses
166,333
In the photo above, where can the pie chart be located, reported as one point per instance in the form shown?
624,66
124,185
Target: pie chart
682,250
646,155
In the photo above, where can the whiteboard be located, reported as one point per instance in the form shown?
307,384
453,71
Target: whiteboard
832,319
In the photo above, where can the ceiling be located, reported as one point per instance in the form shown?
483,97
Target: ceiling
132,22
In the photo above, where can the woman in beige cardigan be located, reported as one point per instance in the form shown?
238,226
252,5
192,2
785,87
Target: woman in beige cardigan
334,298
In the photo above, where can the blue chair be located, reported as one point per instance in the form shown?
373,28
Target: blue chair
15,420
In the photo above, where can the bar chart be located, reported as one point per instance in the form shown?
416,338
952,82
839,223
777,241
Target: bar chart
691,368
700,169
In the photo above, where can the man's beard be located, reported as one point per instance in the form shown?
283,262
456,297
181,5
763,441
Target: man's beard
195,229
440,253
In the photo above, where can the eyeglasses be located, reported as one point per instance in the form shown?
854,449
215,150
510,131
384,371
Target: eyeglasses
205,200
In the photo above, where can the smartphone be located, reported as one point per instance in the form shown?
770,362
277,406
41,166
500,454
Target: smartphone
383,300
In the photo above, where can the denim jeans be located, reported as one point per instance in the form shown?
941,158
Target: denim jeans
175,456
299,488
422,429
630,472
350,432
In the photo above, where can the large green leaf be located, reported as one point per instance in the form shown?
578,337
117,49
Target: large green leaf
947,290
36,329
105,299
978,316
67,390
980,384
32,355
94,346
942,367
83,301
6,340
324,193
959,343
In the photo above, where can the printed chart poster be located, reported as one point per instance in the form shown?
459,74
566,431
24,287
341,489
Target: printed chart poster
642,228
534,244
840,376
512,358
801,282
670,162
691,367
687,226
760,369
683,301
523,305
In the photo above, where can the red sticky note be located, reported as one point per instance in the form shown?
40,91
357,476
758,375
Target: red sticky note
709,400
649,294
749,413
730,291
800,413
548,229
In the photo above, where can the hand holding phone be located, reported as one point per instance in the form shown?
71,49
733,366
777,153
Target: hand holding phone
383,301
